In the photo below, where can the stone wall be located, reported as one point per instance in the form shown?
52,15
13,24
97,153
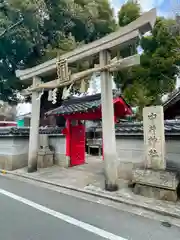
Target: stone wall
130,146
58,144
14,148
13,152
130,150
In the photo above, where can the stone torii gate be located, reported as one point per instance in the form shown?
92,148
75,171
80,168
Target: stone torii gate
104,47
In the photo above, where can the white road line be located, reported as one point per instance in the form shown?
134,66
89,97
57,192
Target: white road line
63,217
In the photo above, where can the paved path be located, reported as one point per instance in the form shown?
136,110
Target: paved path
79,176
90,178
29,212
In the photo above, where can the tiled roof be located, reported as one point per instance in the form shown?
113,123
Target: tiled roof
81,104
172,127
24,131
78,107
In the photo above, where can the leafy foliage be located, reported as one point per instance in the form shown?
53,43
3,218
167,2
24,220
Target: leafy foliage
48,27
146,84
129,12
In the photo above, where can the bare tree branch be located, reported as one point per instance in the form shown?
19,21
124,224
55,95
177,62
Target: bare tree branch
10,28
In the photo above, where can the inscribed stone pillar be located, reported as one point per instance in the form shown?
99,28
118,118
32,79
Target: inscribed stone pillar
34,129
154,137
156,181
108,128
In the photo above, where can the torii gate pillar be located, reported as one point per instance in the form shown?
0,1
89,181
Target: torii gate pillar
34,129
109,140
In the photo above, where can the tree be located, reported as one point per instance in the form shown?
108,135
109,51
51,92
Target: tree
160,59
129,12
7,112
17,44
138,95
48,27
158,69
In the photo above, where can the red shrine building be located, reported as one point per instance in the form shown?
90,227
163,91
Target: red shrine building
76,111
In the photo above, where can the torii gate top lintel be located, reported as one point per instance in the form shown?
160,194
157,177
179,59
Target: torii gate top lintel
123,36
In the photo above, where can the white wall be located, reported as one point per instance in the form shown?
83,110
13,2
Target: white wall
95,84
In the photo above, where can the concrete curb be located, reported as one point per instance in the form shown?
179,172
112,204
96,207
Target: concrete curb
118,199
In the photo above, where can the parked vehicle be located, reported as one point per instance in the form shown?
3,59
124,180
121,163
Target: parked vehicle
8,124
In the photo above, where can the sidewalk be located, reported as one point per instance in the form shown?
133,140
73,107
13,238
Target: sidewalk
89,178
77,177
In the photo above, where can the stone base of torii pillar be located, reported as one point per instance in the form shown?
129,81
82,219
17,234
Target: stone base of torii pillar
154,180
161,185
45,155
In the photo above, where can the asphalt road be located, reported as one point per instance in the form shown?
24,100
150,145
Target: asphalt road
29,212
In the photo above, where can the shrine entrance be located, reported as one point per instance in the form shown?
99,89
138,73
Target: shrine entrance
77,143
78,110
